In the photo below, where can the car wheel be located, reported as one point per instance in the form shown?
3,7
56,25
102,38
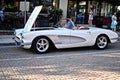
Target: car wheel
41,45
101,42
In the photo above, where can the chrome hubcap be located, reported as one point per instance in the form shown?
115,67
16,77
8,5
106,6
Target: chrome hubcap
102,42
42,45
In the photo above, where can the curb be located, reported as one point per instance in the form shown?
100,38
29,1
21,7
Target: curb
13,43
6,40
6,32
7,44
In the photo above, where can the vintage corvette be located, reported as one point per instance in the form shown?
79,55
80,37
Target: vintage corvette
42,39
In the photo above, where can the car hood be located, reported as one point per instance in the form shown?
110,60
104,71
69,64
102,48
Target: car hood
32,18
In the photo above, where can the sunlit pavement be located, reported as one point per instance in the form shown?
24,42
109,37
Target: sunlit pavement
73,65
65,67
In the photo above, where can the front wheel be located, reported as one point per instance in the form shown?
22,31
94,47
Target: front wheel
41,45
101,42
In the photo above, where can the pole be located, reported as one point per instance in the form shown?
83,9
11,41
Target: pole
25,13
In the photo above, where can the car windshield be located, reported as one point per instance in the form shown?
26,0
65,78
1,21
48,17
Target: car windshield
69,25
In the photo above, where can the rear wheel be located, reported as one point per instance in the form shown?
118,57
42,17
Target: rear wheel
41,45
101,42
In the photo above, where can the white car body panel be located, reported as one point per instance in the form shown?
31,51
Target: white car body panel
61,37
66,38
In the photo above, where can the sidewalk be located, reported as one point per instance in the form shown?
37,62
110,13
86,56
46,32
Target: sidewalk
6,39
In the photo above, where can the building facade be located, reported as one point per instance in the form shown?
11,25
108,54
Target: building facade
100,8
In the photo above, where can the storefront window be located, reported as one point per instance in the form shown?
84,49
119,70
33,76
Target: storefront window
56,3
43,2
76,10
101,8
82,5
11,5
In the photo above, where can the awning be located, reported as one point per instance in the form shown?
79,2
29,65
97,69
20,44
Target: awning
8,1
114,2
24,0
11,1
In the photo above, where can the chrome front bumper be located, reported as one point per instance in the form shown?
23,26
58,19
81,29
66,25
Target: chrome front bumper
17,40
21,43
113,40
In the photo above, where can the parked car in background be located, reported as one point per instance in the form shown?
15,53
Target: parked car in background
42,39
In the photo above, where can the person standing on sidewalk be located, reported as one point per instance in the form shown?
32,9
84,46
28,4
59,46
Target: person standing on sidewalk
2,13
114,21
90,18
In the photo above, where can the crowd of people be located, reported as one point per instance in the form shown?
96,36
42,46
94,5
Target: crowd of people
76,17
80,18
2,8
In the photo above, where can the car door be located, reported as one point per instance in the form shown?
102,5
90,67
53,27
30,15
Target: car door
80,38
61,38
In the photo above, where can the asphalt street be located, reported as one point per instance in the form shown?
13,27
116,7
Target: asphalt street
64,64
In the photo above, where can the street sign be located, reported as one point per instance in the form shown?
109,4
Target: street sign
24,5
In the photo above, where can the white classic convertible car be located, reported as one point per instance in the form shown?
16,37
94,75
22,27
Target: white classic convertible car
42,39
